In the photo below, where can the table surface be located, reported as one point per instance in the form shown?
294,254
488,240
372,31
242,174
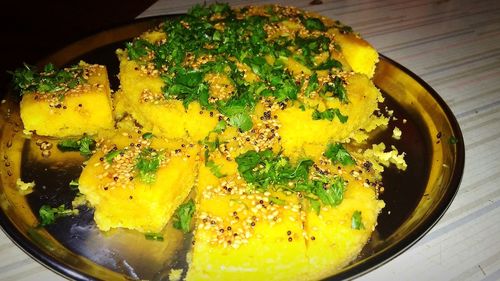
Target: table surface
454,45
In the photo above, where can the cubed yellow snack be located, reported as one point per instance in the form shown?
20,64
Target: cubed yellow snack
299,127
84,109
128,195
141,96
360,55
337,234
245,235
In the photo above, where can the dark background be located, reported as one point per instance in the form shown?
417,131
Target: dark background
31,30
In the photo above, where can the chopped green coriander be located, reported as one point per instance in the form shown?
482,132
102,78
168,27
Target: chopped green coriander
356,221
154,236
329,64
313,84
328,191
243,121
85,145
346,29
74,184
337,88
147,164
277,201
338,154
138,48
264,168
28,80
313,23
453,140
147,135
329,114
183,216
315,205
220,127
188,86
215,169
111,155
49,215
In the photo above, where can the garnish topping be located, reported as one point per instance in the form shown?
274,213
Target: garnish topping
85,145
48,215
183,216
28,80
338,154
356,221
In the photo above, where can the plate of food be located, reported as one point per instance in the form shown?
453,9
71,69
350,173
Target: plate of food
258,143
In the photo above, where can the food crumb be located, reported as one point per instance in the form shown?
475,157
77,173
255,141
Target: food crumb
80,200
25,187
175,274
396,133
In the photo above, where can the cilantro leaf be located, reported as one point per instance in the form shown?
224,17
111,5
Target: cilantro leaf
313,84
356,221
27,79
154,236
187,86
85,145
264,168
338,154
243,121
277,201
220,127
313,24
337,88
215,169
147,135
183,216
315,205
138,48
147,164
329,114
49,215
329,64
330,193
111,155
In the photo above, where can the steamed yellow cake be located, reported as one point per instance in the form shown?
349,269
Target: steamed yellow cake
337,234
137,183
327,120
77,101
242,234
141,96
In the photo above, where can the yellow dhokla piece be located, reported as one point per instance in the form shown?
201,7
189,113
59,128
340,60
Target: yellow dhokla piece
243,235
141,96
360,55
298,128
333,242
122,197
85,109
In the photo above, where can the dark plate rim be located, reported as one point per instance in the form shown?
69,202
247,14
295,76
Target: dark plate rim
371,263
